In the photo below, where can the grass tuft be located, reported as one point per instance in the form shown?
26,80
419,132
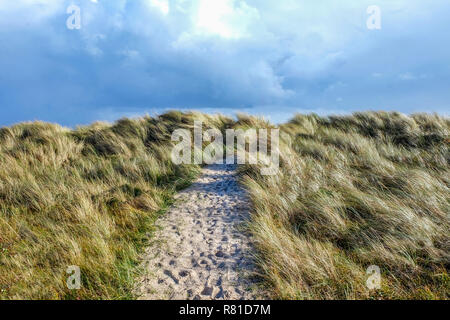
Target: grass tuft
354,191
87,197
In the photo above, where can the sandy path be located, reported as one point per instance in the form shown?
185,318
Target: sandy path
201,250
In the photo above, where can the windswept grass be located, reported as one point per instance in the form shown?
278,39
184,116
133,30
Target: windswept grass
354,191
351,191
85,197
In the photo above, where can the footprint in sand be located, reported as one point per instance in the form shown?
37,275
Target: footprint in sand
203,259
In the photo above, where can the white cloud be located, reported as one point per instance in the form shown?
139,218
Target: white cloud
225,18
162,5
241,54
408,76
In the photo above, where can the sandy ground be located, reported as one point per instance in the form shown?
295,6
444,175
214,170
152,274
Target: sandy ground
201,250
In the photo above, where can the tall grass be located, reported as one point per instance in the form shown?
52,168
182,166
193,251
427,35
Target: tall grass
85,197
354,191
351,191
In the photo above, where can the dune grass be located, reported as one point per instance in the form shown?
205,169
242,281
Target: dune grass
351,191
354,191
86,197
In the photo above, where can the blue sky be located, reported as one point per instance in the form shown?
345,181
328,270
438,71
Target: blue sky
272,58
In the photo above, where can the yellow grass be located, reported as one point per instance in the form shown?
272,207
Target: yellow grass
355,191
351,191
85,197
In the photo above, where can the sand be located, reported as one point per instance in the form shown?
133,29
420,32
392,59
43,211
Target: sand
201,249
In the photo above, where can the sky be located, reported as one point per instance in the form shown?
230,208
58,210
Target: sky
263,57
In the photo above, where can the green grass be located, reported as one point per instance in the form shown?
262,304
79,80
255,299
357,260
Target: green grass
87,197
351,191
354,191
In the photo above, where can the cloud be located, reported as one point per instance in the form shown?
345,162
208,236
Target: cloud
225,18
408,76
161,5
135,56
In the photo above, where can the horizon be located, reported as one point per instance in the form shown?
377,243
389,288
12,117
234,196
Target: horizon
77,62
233,116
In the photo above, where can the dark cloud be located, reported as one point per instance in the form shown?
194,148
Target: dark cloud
264,57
